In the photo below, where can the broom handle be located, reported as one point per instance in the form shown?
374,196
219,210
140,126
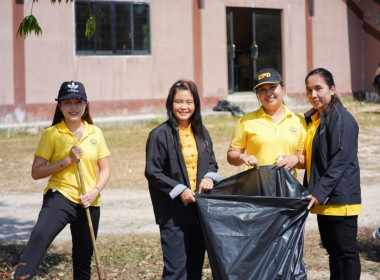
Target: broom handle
100,271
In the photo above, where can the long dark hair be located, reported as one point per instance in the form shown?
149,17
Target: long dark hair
196,118
329,80
58,116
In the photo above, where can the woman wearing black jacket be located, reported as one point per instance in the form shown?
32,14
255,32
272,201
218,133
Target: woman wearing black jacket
333,174
179,162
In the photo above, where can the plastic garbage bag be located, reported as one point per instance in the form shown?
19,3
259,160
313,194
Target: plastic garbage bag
253,225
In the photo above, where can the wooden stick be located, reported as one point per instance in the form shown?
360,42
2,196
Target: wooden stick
98,265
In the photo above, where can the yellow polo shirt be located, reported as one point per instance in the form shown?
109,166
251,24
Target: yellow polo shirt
190,154
330,210
55,144
261,136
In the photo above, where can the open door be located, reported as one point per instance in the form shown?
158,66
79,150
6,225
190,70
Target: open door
253,43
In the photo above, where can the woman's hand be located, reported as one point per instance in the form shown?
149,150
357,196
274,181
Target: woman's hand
289,162
249,160
75,154
88,198
205,185
187,196
313,201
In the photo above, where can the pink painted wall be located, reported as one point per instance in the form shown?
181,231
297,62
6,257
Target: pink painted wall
122,85
6,53
51,58
293,37
331,42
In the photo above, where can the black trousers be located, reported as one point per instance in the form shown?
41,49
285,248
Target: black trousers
339,237
184,251
56,212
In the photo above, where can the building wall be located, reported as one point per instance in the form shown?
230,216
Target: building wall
293,37
331,42
371,60
371,41
214,49
51,58
6,54
121,85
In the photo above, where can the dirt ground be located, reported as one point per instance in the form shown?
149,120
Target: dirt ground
127,212
131,212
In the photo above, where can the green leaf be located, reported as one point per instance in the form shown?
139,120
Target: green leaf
90,27
29,24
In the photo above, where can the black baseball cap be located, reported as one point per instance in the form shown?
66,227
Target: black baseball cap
266,76
70,90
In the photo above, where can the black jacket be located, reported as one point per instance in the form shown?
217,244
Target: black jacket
165,169
335,173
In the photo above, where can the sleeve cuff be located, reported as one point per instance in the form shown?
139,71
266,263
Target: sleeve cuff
177,190
214,176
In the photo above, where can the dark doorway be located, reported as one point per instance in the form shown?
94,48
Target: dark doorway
253,42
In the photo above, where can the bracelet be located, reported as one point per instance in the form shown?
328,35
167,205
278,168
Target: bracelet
61,163
98,189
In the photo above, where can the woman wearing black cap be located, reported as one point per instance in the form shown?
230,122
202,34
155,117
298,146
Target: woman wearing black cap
71,137
271,135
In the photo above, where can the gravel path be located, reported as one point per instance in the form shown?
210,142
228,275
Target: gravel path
126,212
121,212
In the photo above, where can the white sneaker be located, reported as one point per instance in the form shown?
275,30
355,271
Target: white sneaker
376,234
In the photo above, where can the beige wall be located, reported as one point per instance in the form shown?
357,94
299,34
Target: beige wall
356,49
293,38
371,60
214,50
371,55
51,58
215,41
6,54
330,42
339,44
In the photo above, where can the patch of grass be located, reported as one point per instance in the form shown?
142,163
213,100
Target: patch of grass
316,257
129,257
139,256
127,146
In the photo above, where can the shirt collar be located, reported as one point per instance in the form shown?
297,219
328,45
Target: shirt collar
315,116
62,127
261,113
184,129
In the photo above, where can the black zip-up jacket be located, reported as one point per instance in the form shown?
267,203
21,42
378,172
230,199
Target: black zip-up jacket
166,172
335,173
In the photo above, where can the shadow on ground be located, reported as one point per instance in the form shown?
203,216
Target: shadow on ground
10,254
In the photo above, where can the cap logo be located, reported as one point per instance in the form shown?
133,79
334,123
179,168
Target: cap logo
263,75
72,88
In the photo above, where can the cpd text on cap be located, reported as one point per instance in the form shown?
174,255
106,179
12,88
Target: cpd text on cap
262,76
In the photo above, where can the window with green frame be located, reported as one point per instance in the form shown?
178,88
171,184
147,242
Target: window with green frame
122,28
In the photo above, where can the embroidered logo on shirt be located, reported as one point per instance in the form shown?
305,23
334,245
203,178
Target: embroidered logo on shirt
94,142
293,130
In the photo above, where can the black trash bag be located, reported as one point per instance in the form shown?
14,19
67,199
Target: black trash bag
225,105
253,224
